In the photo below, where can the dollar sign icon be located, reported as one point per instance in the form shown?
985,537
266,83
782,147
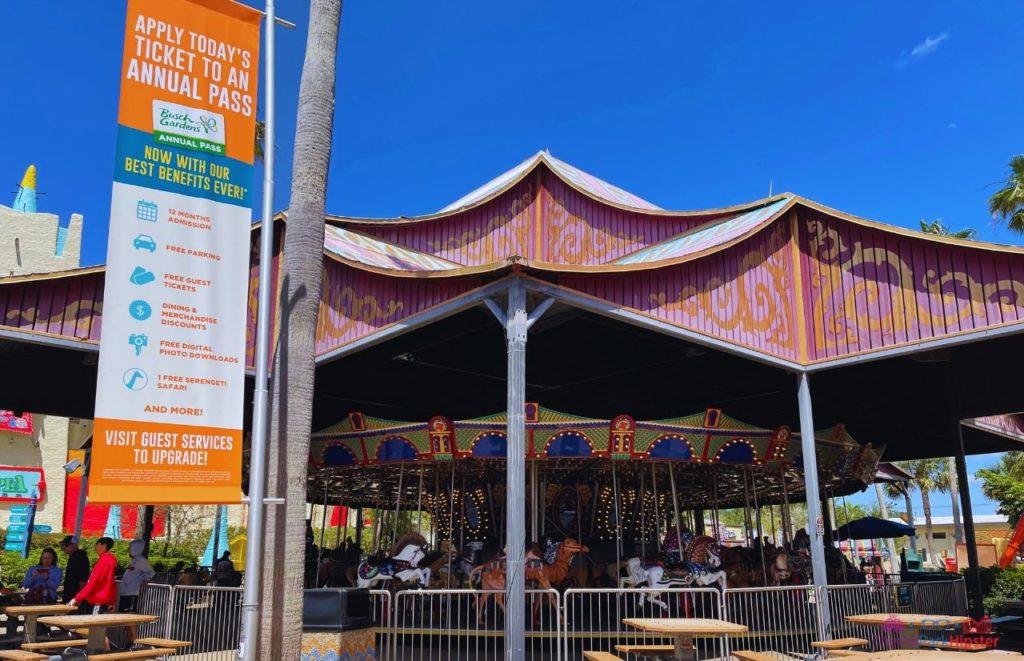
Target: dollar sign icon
140,310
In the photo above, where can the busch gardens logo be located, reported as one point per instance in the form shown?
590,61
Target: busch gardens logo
191,128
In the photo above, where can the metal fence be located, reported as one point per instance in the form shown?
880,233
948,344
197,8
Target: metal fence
594,617
450,625
779,619
208,616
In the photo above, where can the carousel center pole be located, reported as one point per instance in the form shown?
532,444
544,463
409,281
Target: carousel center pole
516,325
814,516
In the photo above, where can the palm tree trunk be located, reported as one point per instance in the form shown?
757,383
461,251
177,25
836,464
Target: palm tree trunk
954,495
926,505
910,517
291,409
883,509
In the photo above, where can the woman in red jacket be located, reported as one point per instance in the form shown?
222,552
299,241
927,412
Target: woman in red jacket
101,588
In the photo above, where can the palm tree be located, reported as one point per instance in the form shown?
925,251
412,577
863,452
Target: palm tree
1007,203
291,408
927,475
937,227
902,490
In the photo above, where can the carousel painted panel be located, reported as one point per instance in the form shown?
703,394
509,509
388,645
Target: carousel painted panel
357,303
492,232
868,290
69,307
743,295
580,230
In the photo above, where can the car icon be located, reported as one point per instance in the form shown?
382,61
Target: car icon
144,242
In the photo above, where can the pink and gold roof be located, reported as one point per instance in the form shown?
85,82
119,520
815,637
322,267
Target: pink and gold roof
782,279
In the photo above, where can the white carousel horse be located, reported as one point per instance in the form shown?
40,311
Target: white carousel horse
406,555
701,566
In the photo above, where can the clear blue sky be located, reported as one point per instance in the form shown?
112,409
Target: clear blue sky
894,111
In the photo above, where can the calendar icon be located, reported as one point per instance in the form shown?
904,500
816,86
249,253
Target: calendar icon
146,211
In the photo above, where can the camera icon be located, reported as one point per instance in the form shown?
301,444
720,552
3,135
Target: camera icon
138,340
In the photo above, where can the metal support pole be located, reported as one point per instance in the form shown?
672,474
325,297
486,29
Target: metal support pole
675,510
515,525
82,488
323,531
535,505
398,502
657,510
814,515
250,615
618,526
973,575
419,506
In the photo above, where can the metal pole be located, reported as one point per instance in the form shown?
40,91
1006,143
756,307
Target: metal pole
618,526
787,520
82,488
814,518
675,509
451,521
657,510
323,531
534,496
643,517
341,519
419,506
398,502
973,576
250,616
216,534
517,323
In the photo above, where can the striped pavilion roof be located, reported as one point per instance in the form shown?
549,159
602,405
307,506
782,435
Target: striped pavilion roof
583,180
359,248
708,236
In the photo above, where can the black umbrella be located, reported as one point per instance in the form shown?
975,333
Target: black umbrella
871,527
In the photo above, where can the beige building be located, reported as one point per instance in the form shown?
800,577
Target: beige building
992,532
33,242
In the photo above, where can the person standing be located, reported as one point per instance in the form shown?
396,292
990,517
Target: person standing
138,572
76,571
42,581
101,588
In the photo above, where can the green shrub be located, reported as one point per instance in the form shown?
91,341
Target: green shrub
1006,584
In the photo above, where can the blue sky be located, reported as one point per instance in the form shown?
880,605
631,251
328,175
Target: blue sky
893,111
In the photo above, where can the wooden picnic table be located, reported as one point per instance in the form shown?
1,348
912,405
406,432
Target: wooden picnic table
31,614
685,629
97,625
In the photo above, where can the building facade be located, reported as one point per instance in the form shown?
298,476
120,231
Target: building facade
34,447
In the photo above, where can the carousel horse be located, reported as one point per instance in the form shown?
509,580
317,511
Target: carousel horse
468,560
544,576
703,559
701,565
776,561
403,564
737,567
655,576
441,567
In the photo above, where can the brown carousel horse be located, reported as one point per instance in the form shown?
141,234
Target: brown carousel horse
545,576
441,566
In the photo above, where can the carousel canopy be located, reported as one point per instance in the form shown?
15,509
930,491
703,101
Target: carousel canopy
714,448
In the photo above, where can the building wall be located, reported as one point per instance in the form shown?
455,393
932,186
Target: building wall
45,448
28,242
944,545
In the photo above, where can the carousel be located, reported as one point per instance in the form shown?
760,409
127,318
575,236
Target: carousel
609,502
